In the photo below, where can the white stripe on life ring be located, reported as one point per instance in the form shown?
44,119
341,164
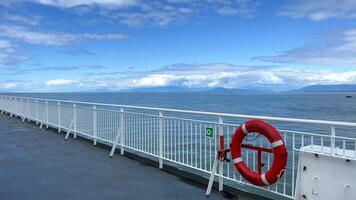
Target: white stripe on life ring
244,129
237,160
263,177
277,143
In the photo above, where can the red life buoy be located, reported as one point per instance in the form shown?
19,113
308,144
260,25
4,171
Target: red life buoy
278,149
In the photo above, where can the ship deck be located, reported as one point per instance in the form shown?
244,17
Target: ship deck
40,164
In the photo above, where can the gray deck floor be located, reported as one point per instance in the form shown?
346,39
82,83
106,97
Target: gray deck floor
39,164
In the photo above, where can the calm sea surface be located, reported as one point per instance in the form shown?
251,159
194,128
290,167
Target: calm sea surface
325,106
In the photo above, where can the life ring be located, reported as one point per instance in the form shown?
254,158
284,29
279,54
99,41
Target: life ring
278,149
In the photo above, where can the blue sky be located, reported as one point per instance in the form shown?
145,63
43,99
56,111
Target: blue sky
82,45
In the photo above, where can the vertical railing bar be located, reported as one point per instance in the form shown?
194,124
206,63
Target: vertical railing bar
59,116
36,107
171,122
200,145
175,140
254,157
205,158
47,115
95,125
228,139
28,111
179,138
74,120
187,141
160,140
221,166
332,140
122,131
136,131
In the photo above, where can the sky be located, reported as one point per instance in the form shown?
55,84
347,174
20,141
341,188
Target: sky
112,45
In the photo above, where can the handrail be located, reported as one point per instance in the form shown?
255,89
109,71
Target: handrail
217,114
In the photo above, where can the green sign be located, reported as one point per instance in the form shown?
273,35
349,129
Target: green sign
209,132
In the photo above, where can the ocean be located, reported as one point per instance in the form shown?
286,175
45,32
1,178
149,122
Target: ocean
323,106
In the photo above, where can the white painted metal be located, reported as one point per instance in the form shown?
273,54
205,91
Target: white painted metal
70,129
122,131
324,176
95,125
221,164
160,140
47,115
212,176
36,107
59,116
178,137
75,120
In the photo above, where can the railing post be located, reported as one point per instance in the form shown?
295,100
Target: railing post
47,114
36,102
160,140
221,133
11,103
95,125
28,110
22,110
75,120
119,135
122,129
59,116
332,139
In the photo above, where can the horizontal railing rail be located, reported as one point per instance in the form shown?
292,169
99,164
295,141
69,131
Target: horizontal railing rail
178,137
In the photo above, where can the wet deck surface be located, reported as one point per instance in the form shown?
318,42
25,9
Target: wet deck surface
40,164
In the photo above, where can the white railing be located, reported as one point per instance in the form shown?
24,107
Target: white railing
177,137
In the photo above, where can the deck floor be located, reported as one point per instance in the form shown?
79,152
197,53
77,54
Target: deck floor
40,164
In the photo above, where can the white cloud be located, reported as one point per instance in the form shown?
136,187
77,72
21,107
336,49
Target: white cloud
4,44
14,85
337,49
74,3
29,20
60,82
50,38
198,76
229,76
321,10
8,54
145,12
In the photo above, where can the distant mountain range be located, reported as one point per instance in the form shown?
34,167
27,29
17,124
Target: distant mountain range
176,89
328,88
165,89
221,90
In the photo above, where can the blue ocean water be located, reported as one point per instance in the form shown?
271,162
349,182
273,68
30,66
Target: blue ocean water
323,106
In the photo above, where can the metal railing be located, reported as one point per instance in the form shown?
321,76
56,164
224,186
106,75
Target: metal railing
178,138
